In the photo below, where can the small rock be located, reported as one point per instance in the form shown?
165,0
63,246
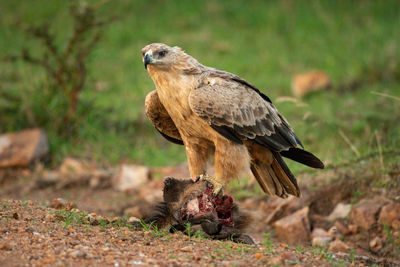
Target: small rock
295,228
152,192
277,207
375,244
338,246
134,211
19,149
390,215
364,214
79,253
353,228
92,219
342,228
284,258
5,246
258,255
71,166
320,241
74,242
49,178
130,177
60,203
305,83
319,232
133,219
50,218
187,249
340,211
100,179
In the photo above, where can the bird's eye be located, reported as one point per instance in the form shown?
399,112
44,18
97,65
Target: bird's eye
162,53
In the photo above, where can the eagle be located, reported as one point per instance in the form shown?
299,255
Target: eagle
216,113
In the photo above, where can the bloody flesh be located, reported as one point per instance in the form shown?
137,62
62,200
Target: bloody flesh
220,207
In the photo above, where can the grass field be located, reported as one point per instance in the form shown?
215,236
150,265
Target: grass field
265,42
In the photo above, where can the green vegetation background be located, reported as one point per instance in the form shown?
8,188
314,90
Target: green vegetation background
265,42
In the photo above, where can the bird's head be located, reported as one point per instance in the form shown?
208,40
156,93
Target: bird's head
162,56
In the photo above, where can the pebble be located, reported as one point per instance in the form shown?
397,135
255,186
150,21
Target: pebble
353,228
375,244
321,241
79,253
338,246
258,255
187,249
5,246
133,219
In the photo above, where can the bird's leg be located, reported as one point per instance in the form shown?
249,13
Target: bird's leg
197,159
230,161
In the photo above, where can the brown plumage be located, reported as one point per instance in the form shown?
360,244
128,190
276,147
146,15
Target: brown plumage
213,111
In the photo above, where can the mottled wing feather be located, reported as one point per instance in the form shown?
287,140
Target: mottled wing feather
160,118
238,111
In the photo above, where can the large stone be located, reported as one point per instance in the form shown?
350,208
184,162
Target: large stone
129,177
320,241
340,211
338,246
71,166
364,214
319,232
19,149
305,83
295,228
390,215
279,207
153,191
320,238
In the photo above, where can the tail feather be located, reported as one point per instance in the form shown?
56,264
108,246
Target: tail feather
275,178
303,157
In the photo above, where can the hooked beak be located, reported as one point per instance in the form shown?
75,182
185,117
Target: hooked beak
147,60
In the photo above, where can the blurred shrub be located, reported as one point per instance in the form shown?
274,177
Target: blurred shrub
54,101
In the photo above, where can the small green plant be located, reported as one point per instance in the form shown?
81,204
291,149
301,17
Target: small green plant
145,226
299,249
267,242
72,218
103,223
153,229
156,232
386,228
352,254
199,234
189,230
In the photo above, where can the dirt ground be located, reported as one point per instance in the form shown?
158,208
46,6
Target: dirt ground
34,233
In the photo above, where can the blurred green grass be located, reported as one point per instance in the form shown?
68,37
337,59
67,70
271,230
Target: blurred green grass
265,42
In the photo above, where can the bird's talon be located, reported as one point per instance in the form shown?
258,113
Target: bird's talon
217,186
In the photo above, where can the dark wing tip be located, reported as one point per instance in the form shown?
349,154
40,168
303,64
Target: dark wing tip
304,157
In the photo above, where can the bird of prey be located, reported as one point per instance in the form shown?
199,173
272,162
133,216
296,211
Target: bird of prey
211,111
